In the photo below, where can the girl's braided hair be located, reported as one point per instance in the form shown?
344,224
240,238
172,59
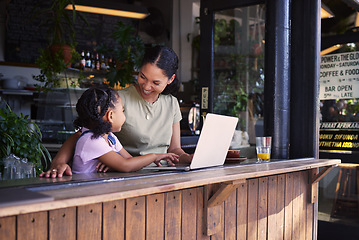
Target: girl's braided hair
92,106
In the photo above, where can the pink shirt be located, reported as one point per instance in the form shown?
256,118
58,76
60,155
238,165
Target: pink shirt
88,150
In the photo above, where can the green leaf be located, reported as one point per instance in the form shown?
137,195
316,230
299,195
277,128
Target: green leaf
21,137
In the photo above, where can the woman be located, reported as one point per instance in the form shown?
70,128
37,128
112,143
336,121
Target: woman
153,120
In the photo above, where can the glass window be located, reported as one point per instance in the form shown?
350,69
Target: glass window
239,67
339,136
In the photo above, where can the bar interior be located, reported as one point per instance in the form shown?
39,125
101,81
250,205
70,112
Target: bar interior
247,69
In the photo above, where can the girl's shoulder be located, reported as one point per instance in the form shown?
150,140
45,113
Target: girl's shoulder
86,136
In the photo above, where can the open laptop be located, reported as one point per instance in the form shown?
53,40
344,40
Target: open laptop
212,146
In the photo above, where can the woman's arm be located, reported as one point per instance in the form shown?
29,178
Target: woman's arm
59,164
120,163
175,145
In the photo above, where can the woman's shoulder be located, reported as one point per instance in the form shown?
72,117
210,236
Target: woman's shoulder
126,90
169,99
128,93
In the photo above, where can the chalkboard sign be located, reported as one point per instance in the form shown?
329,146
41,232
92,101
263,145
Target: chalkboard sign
25,34
339,136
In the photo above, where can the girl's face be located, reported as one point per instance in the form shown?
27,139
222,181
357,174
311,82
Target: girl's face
151,82
117,116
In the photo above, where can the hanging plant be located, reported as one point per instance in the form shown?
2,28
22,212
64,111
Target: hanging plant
128,50
60,52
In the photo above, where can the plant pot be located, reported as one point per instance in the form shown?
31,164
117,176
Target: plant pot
66,50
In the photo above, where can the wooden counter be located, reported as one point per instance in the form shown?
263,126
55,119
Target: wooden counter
256,201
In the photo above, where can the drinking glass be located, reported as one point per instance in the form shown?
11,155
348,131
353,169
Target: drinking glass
9,166
263,147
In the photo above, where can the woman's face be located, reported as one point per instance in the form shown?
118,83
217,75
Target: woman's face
151,82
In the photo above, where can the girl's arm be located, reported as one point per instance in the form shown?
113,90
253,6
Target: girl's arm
59,164
175,145
101,167
119,163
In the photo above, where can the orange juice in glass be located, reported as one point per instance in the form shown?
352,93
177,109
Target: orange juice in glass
263,148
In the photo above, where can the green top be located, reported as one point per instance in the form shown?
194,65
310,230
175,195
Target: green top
148,126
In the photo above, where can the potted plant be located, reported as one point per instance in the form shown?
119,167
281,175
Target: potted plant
60,51
21,137
127,51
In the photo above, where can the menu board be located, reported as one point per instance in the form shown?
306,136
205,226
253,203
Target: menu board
26,33
339,76
339,136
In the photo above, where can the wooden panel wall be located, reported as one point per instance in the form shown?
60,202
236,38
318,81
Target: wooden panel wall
274,207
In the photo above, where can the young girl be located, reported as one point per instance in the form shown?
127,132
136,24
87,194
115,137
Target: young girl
100,112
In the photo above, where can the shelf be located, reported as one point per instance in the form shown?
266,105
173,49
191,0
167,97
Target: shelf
18,64
21,92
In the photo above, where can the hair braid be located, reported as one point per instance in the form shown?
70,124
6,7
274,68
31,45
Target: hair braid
92,106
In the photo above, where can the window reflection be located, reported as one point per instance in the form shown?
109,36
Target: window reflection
239,67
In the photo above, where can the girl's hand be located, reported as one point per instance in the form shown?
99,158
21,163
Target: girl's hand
57,171
171,158
101,167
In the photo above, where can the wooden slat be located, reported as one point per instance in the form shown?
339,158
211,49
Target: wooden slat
213,216
314,186
288,210
62,224
303,190
262,207
322,173
303,204
32,226
200,215
280,206
219,235
230,217
189,213
309,208
8,228
113,220
252,230
89,222
223,192
296,206
272,207
155,216
242,214
135,226
173,215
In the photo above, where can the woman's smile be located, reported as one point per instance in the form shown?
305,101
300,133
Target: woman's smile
151,82
147,92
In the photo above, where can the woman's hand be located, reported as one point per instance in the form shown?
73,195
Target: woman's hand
57,171
185,158
171,158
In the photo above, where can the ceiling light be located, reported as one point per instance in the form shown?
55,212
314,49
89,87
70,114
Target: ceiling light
110,8
330,49
325,12
356,22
